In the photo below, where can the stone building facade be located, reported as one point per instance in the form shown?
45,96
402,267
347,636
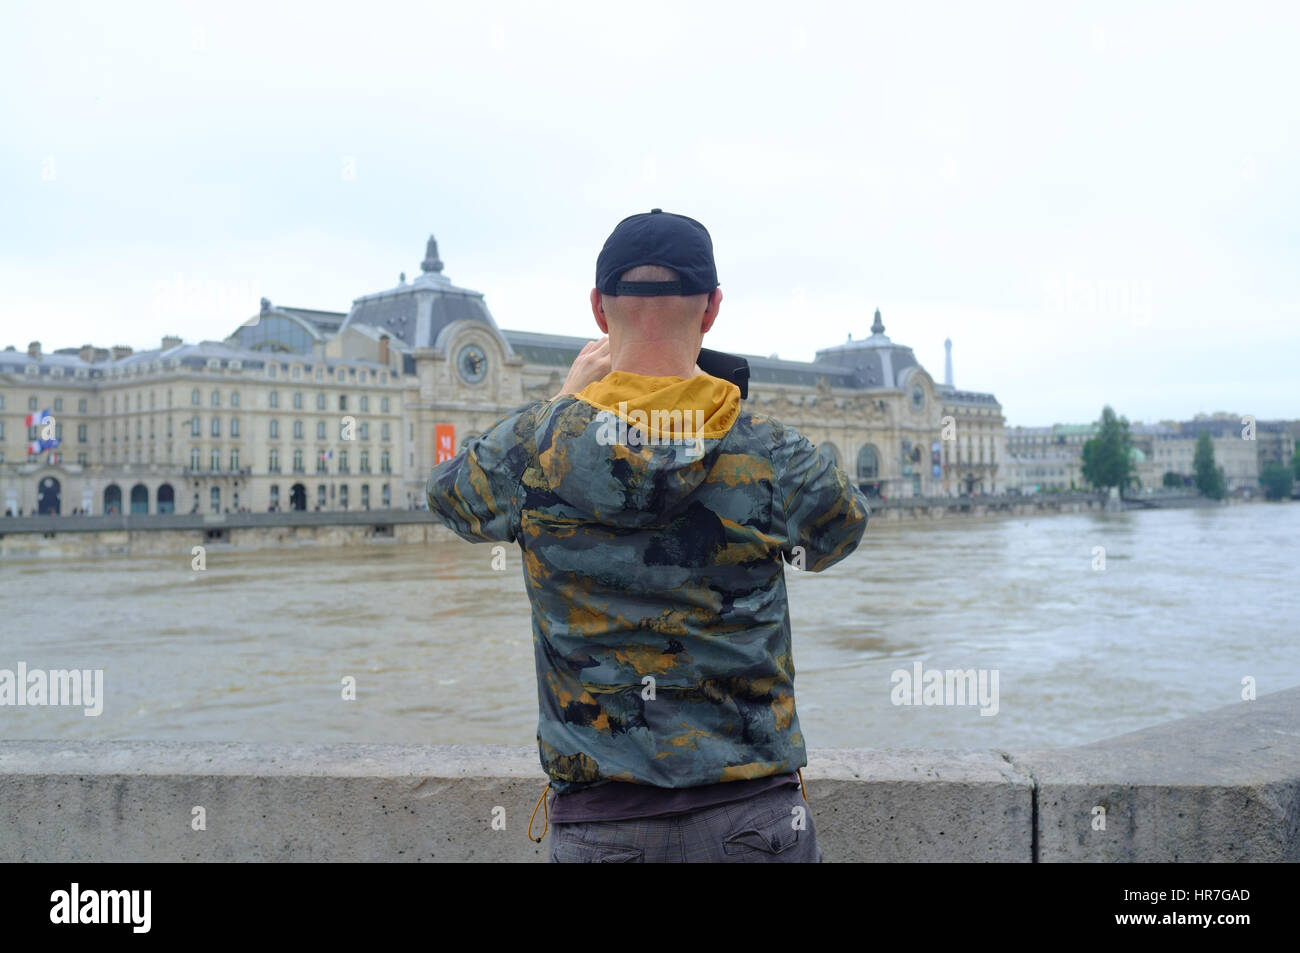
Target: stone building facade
304,409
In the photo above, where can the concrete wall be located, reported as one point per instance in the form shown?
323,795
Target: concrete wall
1222,786
154,534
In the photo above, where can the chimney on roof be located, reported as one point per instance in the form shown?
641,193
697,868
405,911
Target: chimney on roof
120,351
34,350
87,353
170,341
383,349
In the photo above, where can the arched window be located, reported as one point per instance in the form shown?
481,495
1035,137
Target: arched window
112,499
868,464
139,498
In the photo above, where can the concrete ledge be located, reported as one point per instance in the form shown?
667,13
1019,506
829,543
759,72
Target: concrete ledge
1220,786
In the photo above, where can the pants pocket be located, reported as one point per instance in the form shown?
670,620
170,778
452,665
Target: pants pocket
770,832
571,850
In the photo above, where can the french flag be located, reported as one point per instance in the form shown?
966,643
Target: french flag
38,420
40,446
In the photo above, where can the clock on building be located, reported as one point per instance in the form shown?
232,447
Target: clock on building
472,363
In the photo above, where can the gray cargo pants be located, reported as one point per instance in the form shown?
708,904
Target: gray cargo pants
775,827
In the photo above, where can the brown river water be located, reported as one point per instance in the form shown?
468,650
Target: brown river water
253,648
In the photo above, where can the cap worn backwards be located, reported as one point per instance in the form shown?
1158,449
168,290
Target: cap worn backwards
657,238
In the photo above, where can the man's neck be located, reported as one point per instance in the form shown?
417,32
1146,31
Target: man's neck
654,358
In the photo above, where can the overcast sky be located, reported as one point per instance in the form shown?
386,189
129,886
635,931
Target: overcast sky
1098,203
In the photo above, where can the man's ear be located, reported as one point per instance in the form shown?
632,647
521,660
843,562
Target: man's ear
598,311
711,312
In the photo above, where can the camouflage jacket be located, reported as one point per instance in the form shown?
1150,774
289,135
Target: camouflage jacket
655,571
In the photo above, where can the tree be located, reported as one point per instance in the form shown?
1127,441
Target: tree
1172,479
1277,481
1107,457
1209,478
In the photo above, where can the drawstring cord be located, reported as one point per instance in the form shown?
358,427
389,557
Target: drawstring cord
546,814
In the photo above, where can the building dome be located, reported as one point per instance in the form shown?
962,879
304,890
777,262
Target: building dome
417,312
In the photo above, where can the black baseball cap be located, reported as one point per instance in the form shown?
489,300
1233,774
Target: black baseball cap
657,238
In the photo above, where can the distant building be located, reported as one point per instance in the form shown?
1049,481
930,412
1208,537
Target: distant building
1051,458
305,409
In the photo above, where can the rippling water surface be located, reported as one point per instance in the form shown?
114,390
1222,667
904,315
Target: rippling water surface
253,648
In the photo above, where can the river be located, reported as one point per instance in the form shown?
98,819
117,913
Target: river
254,647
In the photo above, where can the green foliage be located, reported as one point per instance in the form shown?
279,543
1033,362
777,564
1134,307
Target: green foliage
1107,457
1277,481
1172,480
1209,478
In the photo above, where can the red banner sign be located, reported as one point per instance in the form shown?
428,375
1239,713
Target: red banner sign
444,442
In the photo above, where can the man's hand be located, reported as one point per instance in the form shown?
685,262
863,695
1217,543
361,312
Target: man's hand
591,364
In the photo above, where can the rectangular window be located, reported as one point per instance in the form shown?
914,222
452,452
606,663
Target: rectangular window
383,431
365,404
365,496
234,398
58,405
216,398
365,431
31,403
273,465
321,465
343,401
215,460
320,430
234,460
320,495
383,404
297,430
82,459
297,461
343,461
320,401
81,433
194,398
194,427
194,458
273,400
216,426
365,461
234,426
297,400
384,466
275,429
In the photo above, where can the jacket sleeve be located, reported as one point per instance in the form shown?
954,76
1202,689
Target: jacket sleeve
824,514
476,493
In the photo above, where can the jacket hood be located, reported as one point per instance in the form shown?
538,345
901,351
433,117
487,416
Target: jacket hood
629,449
